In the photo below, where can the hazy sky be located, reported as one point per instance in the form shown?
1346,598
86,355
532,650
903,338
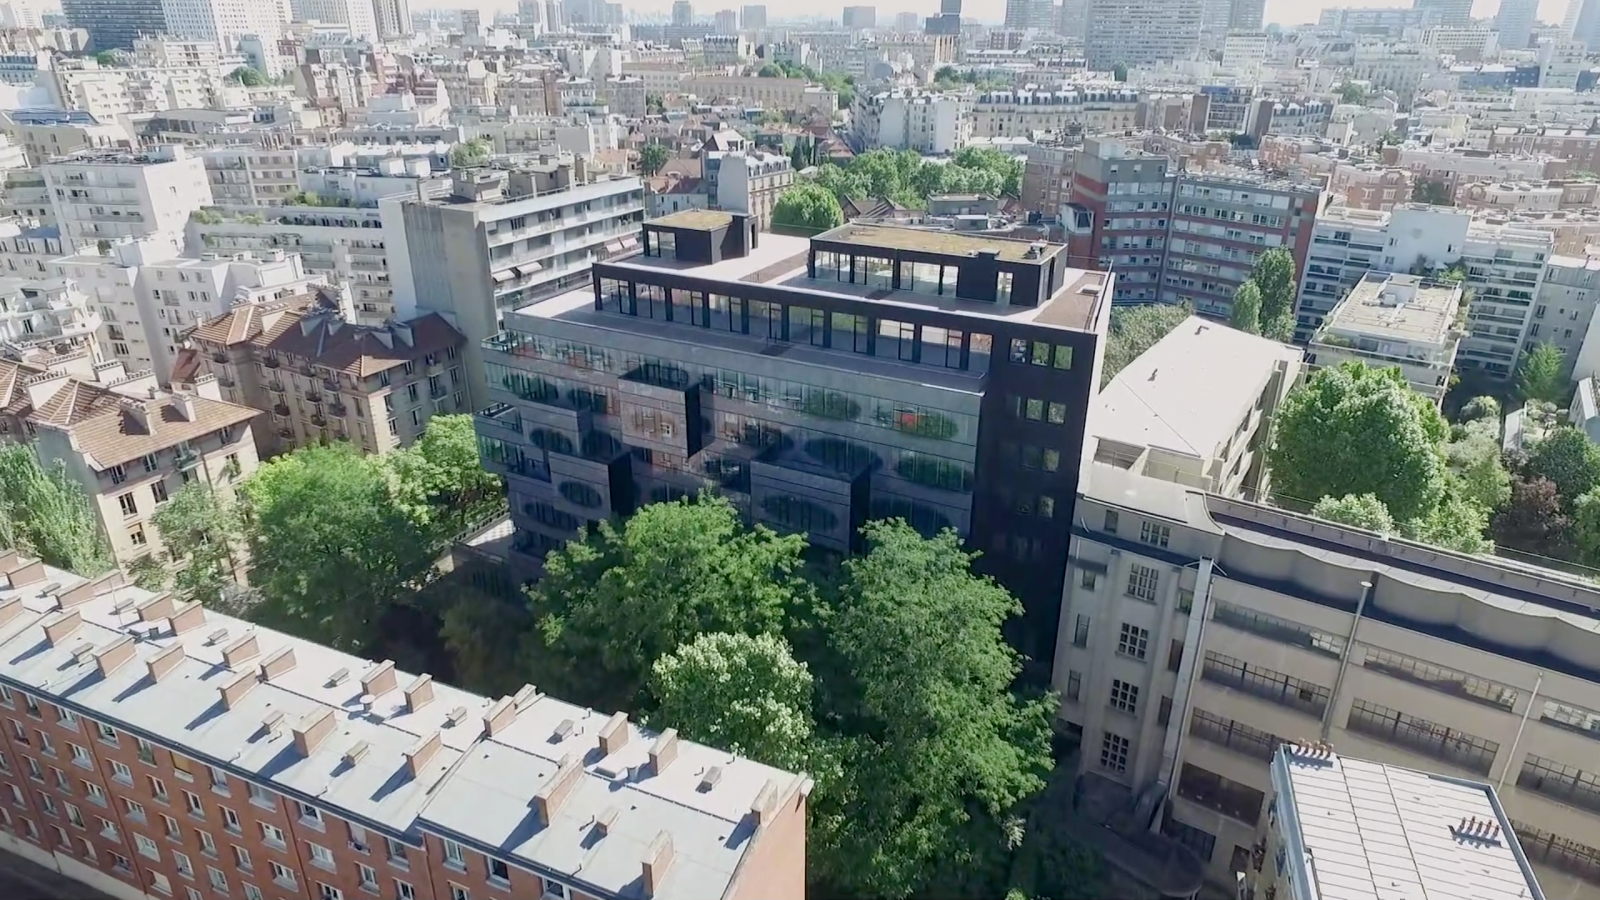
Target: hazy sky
1288,12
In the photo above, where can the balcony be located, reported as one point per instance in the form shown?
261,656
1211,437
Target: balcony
286,433
280,409
275,386
227,381
187,458
219,356
271,362
319,421
331,385
1451,746
1274,687
314,396
338,410
438,391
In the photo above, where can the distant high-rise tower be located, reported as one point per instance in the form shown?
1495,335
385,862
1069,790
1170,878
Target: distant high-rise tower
682,13
1072,18
859,18
1022,15
949,7
113,24
394,19
1141,32
471,21
726,21
753,17
1515,22
1452,13
1249,15
905,22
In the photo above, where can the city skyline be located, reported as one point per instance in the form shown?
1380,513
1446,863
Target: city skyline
1286,12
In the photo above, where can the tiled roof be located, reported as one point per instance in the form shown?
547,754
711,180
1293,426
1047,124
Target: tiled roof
309,328
112,429
13,394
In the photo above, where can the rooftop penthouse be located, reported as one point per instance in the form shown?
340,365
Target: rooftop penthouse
524,795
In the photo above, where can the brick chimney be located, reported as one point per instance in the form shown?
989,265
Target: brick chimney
499,717
165,661
657,860
312,731
241,651
278,663
187,618
234,690
379,681
553,793
664,750
614,734
61,626
420,753
32,573
114,655
419,692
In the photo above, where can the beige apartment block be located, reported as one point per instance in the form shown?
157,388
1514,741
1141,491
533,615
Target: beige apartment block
152,750
322,378
129,444
1199,634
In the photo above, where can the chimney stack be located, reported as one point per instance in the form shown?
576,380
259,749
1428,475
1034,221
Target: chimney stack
10,608
114,655
188,617
421,752
548,799
241,651
278,663
657,860
85,592
32,573
235,689
419,692
380,680
61,626
499,717
664,750
165,661
312,731
156,608
614,734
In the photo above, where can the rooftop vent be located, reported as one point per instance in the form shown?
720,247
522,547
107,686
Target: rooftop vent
456,716
216,637
338,677
710,779
1476,830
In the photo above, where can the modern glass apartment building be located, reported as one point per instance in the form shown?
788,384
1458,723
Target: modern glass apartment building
870,372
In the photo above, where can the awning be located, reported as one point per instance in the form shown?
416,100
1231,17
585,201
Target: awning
628,243
613,246
527,269
503,276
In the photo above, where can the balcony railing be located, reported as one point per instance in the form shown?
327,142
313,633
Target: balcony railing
219,356
314,396
1235,736
275,386
1274,687
271,363
1448,745
187,458
338,410
1279,630
280,409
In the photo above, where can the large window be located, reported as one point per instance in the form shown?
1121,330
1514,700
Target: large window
941,346
1565,783
652,300
1208,789
850,332
1281,630
1453,746
725,313
807,326
879,273
1274,686
766,320
1236,736
688,307
1439,678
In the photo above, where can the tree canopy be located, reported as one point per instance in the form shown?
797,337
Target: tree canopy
745,693
905,177
471,153
1246,313
44,512
652,157
807,206
201,534
1359,430
1270,290
1569,460
248,77
1542,375
1364,511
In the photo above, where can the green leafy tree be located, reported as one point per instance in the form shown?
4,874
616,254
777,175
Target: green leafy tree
202,533
439,482
655,104
939,750
1119,72
741,692
1532,519
1274,276
626,596
1005,167
107,58
1359,430
1484,407
1473,454
1585,536
652,157
1427,190
1135,329
486,636
1364,511
807,206
1569,459
248,77
44,512
470,153
330,548
1350,92
1456,522
1542,374
1246,313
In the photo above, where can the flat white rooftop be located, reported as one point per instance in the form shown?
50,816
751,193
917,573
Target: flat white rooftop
1188,393
1397,308
1359,830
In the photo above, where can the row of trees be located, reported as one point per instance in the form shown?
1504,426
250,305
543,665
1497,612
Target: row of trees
842,85
905,177
886,677
334,537
1264,303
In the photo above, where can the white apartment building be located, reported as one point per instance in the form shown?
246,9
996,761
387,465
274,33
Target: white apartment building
930,123
1095,109
1391,66
359,16
1199,634
751,182
224,21
52,313
168,52
1504,263
1395,321
106,94
1564,307
252,176
512,240
109,195
1560,63
342,246
1197,408
1142,32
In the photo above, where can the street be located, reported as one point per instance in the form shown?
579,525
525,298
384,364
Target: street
21,879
